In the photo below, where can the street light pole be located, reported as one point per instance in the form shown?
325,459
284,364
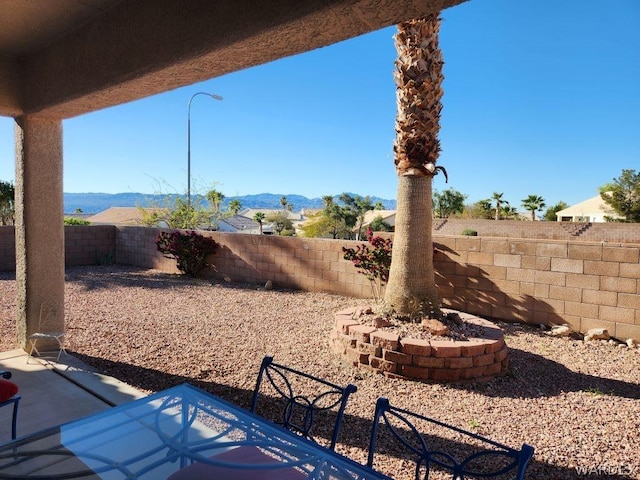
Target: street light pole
215,97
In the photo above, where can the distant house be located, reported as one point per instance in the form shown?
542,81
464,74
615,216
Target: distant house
240,224
592,210
122,216
388,216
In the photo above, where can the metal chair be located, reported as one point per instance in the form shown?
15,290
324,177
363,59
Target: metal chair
13,400
48,320
291,408
489,459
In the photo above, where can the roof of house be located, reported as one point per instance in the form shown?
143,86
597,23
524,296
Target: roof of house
371,214
250,212
240,222
121,216
590,207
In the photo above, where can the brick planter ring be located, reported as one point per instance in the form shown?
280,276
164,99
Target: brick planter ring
478,359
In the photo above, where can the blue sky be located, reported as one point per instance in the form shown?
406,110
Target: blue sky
541,97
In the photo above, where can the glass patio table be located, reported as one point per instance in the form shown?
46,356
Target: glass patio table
181,433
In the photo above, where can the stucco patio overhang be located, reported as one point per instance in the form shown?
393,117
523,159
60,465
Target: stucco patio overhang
63,58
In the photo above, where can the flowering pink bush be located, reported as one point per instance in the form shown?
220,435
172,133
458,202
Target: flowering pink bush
372,261
189,248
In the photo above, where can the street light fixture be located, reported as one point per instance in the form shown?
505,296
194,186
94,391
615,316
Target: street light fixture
215,97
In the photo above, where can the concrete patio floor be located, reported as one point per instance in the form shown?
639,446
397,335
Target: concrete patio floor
57,392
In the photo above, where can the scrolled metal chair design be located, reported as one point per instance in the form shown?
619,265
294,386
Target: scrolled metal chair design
401,425
300,411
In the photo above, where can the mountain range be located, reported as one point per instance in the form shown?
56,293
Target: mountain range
91,203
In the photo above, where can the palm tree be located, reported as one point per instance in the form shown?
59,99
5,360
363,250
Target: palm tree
284,203
259,217
533,203
418,76
497,197
235,206
215,200
508,211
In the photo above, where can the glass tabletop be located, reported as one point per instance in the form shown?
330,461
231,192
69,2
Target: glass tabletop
181,433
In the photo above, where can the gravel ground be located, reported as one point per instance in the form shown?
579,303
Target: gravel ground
577,403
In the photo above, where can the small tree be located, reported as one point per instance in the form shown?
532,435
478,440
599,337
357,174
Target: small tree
623,195
189,249
356,207
379,225
373,262
448,202
280,221
550,214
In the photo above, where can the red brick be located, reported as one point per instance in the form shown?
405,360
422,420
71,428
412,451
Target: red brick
473,348
357,357
361,332
382,365
494,346
413,372
444,349
501,354
444,374
429,362
494,368
476,372
344,323
483,360
386,340
397,357
415,346
459,362
368,348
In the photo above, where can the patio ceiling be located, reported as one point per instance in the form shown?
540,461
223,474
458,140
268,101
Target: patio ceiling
64,58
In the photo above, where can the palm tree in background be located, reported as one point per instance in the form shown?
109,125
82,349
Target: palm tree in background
411,288
235,206
497,197
259,217
532,204
215,199
284,203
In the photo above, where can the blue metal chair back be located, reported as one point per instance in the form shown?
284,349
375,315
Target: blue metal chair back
300,411
493,460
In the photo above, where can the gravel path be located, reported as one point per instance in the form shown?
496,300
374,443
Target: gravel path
577,403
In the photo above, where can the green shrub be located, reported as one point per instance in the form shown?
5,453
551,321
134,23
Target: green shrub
189,249
75,221
470,232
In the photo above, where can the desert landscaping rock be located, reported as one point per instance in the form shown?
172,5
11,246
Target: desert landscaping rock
577,403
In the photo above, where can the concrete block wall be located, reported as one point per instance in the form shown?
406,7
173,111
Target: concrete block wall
89,245
308,264
84,245
586,285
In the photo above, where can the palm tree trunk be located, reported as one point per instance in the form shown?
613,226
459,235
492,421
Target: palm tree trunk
411,288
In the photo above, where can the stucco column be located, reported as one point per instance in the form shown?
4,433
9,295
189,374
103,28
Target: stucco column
39,222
